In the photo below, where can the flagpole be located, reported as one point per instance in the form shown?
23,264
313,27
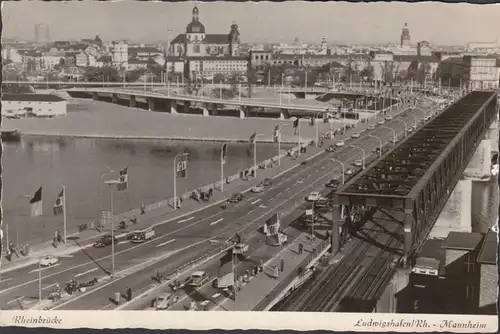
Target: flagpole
255,156
279,147
222,169
298,126
112,234
64,214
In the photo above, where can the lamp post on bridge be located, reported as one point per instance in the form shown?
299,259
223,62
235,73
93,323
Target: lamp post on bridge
406,125
184,167
393,132
342,166
380,140
364,154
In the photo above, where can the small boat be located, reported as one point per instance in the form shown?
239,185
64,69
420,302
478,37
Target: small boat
11,135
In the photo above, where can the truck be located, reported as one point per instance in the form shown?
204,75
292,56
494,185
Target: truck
142,236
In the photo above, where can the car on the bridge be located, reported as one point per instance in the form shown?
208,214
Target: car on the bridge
377,150
164,301
333,184
49,260
258,189
349,172
426,118
356,135
236,198
267,182
330,148
340,144
381,122
105,241
142,236
410,130
358,163
198,278
314,196
388,118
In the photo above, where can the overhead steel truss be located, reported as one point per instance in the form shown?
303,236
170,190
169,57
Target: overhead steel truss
418,174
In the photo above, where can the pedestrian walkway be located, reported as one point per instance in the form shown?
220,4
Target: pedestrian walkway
258,287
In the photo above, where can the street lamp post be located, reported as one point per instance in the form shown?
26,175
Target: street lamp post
393,132
342,166
406,125
364,154
175,177
112,183
380,140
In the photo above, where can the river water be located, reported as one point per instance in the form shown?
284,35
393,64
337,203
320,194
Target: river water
79,163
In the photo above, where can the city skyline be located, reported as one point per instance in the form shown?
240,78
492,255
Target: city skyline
152,21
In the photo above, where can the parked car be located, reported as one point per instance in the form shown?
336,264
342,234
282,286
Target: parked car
198,278
49,260
236,198
356,135
340,144
257,189
105,241
314,196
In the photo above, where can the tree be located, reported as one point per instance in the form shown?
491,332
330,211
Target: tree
96,74
367,73
135,75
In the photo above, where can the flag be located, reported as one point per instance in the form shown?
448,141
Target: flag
252,138
223,153
181,167
36,203
273,224
296,126
277,133
123,180
59,206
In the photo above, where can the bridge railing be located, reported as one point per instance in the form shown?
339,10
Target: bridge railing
300,270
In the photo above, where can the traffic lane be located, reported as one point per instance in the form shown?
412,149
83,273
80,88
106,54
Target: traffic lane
205,294
99,298
99,269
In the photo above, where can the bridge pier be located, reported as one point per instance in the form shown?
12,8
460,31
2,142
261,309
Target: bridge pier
336,229
151,104
480,165
133,103
114,98
456,215
215,110
95,96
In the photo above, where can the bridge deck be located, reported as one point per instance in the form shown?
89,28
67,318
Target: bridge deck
399,174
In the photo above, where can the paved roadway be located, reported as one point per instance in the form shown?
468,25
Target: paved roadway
19,288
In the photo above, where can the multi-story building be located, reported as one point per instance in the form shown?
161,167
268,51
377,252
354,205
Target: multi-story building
144,53
197,43
481,72
53,59
120,54
208,66
405,36
137,64
42,33
104,61
12,54
82,59
424,48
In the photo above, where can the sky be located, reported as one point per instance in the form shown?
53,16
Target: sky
340,22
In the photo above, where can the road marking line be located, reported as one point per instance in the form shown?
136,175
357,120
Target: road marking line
256,201
165,243
280,193
215,222
15,300
287,189
249,211
44,268
86,272
49,286
185,220
5,280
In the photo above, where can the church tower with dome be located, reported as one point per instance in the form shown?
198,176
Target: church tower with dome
195,42
405,37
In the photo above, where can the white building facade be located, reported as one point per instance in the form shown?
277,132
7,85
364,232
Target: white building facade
39,105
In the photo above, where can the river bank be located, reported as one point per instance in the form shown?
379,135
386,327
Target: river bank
95,119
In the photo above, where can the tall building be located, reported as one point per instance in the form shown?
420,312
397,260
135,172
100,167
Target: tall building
42,33
405,36
120,54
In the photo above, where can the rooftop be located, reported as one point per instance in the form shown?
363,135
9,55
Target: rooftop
209,39
489,249
32,97
463,241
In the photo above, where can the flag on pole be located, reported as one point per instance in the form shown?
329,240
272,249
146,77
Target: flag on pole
252,138
277,133
181,167
59,206
36,203
123,180
223,153
296,126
